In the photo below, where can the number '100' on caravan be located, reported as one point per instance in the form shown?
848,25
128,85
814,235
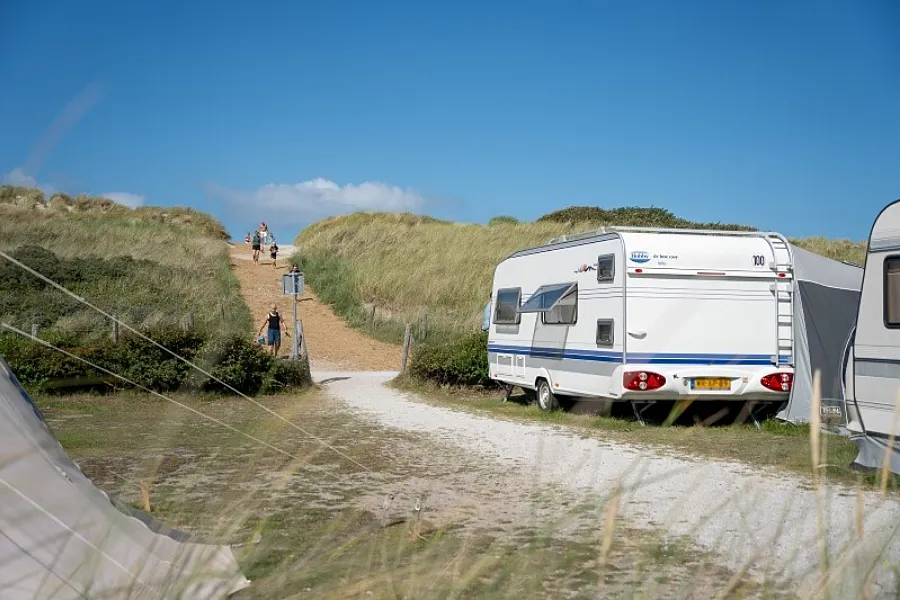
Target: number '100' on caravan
643,314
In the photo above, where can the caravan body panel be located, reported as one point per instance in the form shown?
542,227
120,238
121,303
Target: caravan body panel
685,306
876,349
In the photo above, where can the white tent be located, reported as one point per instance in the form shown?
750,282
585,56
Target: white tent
826,296
62,537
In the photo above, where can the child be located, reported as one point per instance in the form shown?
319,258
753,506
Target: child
273,252
247,239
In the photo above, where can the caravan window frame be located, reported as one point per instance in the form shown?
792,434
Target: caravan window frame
886,293
612,332
574,320
612,269
518,318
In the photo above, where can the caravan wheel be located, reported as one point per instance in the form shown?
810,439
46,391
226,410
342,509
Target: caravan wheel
545,397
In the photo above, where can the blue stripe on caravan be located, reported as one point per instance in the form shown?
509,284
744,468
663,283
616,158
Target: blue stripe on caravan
639,357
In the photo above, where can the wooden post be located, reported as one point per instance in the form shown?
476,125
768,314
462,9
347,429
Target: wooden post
115,329
303,350
370,319
407,338
423,328
34,330
189,322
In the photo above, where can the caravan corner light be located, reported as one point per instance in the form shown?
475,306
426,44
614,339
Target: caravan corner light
642,381
778,382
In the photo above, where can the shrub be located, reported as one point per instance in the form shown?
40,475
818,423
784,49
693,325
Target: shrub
460,362
633,216
238,362
502,220
285,374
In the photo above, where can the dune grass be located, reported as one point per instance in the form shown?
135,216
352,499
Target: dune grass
408,265
182,268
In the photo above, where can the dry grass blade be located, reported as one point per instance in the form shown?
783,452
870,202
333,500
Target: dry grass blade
609,525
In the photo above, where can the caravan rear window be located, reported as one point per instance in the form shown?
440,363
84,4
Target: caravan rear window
506,309
892,292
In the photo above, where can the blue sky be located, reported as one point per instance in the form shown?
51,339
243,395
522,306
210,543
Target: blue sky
784,115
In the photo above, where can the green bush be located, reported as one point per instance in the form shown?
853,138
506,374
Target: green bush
634,216
460,362
284,375
237,362
240,363
503,220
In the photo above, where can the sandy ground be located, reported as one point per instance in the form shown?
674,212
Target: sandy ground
330,343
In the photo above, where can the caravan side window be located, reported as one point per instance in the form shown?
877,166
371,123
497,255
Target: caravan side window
506,309
606,267
892,292
565,312
605,332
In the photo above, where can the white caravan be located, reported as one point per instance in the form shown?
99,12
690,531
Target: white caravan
872,377
642,314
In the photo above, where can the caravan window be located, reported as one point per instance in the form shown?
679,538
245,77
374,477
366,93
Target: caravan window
564,311
605,332
892,292
506,309
606,267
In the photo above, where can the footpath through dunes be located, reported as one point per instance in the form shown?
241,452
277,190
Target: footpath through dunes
332,344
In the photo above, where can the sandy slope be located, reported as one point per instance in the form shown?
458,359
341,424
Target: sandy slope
331,343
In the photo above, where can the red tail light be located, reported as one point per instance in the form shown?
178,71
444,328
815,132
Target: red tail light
778,382
642,381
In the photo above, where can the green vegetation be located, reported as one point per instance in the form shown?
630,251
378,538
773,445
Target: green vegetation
633,216
162,271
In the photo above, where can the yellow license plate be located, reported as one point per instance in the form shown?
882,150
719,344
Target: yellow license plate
711,383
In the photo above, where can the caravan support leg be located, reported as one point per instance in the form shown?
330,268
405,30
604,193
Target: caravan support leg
507,391
639,414
753,411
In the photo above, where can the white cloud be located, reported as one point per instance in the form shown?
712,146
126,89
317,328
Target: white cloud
19,177
126,198
319,198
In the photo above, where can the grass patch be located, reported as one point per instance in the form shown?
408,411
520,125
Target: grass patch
317,527
778,445
150,272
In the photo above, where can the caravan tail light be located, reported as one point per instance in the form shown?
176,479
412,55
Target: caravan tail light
642,381
778,382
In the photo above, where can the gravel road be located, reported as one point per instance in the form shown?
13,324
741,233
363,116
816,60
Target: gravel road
748,517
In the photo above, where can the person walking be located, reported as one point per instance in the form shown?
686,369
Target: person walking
264,233
273,252
256,246
275,326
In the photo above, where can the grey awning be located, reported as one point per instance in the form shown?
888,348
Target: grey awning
546,297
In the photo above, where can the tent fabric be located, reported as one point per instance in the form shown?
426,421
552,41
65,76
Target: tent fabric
826,296
874,450
62,537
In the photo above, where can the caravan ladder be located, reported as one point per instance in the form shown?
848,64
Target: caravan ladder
783,290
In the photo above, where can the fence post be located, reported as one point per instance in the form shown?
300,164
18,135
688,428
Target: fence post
34,330
115,329
303,350
370,319
407,338
189,322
